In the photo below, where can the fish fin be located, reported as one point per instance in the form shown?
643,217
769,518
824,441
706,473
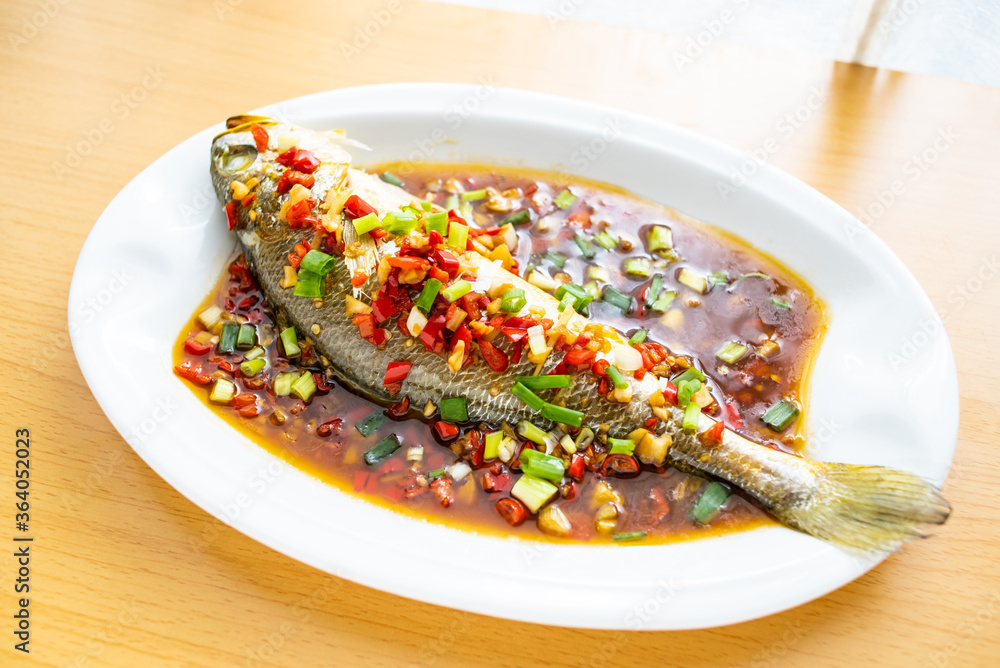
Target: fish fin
867,508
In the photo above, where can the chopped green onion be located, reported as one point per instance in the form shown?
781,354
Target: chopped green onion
660,239
564,200
513,300
389,177
222,391
367,223
368,426
581,298
664,301
451,203
318,262
596,273
304,386
283,384
585,248
465,210
544,382
687,389
458,235
654,290
491,450
211,316
780,303
780,415
709,502
426,206
400,222
540,465
533,492
605,240
629,535
426,299
616,377
638,266
454,409
732,352
562,415
251,368
584,438
691,415
718,278
247,337
541,281
638,337
382,450
436,473
309,284
692,280
456,290
531,432
556,259
521,217
437,222
290,342
621,446
566,302
688,374
753,274
254,353
227,342
527,396
618,299
593,290
474,195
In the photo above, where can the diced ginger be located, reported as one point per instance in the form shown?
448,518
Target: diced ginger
457,357
653,449
356,306
290,279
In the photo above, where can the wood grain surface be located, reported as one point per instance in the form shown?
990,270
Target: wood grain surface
127,572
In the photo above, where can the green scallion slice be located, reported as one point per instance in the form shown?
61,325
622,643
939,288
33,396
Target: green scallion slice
437,222
531,432
780,303
562,415
533,492
426,299
618,299
222,391
318,262
366,223
709,503
247,337
491,449
753,274
436,473
368,426
458,235
692,280
527,396
454,409
474,195
586,249
718,278
521,217
254,353
456,290
639,267
304,386
664,301
621,446
540,465
638,337
382,450
544,382
654,290
660,239
309,284
251,368
687,389
628,535
389,177
283,384
290,342
780,415
616,377
691,416
581,298
227,341
426,206
688,374
732,352
513,300
565,199
556,259
451,203
605,240
400,223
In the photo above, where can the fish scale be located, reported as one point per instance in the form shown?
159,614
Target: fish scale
861,508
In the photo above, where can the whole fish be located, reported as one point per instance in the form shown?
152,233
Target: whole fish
862,508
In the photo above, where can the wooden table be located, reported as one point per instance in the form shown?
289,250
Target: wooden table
92,92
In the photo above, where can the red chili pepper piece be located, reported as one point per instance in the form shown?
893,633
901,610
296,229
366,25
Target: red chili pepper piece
651,422
396,372
360,480
579,356
461,334
305,161
299,214
733,415
671,393
577,467
445,260
286,158
399,410
249,411
322,387
713,435
620,466
196,348
378,338
515,354
355,207
470,302
383,308
496,358
443,491
328,427
445,430
365,323
231,214
408,263
600,367
260,137
515,335
359,279
513,511
248,200
479,447
193,372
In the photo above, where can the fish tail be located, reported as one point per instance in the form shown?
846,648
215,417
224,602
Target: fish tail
866,508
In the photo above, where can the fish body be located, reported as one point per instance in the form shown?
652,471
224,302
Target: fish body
856,507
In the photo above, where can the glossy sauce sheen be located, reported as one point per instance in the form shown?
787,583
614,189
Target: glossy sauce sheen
655,502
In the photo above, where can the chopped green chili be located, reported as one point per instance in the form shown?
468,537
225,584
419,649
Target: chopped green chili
709,502
247,337
521,217
227,341
780,415
368,426
454,409
527,396
389,177
382,450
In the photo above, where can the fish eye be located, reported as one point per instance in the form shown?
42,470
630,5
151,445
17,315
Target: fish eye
236,158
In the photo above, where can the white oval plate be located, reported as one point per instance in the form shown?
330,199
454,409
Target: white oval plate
158,249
